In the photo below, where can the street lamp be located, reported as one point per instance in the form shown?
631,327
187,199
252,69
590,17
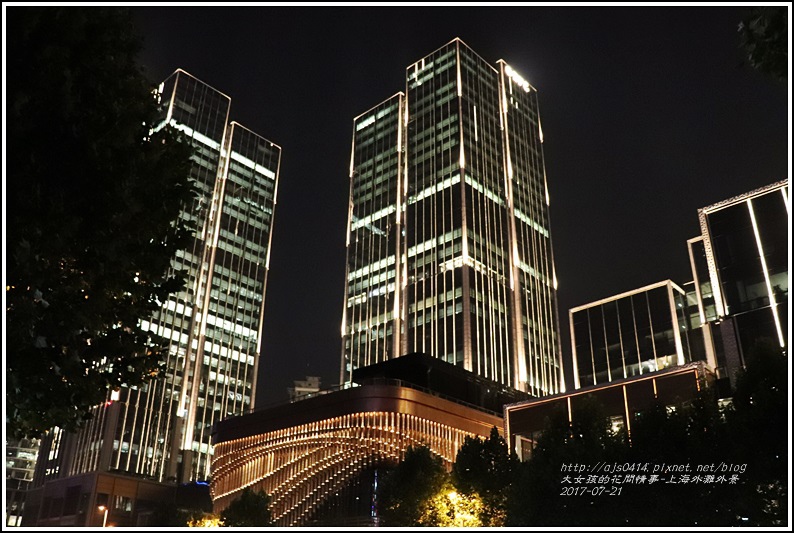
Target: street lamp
105,517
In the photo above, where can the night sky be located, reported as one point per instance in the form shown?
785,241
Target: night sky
648,114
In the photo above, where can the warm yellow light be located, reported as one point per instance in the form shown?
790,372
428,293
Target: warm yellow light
206,521
104,510
450,509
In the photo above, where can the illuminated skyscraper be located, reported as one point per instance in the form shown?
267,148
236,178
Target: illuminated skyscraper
213,327
448,244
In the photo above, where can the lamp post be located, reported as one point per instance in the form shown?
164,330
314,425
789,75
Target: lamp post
105,509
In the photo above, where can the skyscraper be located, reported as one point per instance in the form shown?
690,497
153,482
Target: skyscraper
449,249
213,327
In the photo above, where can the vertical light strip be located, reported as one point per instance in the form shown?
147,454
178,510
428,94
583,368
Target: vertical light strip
772,302
606,343
396,315
590,342
653,339
576,383
716,287
679,347
460,128
620,337
459,79
345,299
476,134
515,280
785,198
695,277
171,102
626,409
636,334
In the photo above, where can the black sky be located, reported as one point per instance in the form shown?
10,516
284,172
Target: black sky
648,113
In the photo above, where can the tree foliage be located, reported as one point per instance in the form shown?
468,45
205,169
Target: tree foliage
168,514
763,35
93,202
205,520
449,508
747,440
251,509
759,425
534,498
485,468
408,488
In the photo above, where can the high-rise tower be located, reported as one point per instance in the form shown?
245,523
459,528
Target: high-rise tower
448,244
214,326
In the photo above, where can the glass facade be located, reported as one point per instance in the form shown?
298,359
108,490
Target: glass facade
20,465
448,247
213,327
632,333
707,309
746,243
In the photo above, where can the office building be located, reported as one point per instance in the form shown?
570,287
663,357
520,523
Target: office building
449,247
302,388
213,328
20,465
634,333
740,266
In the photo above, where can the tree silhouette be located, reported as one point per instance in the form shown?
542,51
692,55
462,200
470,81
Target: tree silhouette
485,467
763,35
759,428
93,202
408,488
251,509
535,497
734,459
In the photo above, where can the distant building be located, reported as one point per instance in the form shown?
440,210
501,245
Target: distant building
20,465
320,459
449,248
304,388
114,499
160,431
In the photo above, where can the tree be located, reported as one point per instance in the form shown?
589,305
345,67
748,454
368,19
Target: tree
168,514
205,520
743,450
535,497
93,203
691,433
763,35
409,487
485,468
449,508
251,509
759,428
